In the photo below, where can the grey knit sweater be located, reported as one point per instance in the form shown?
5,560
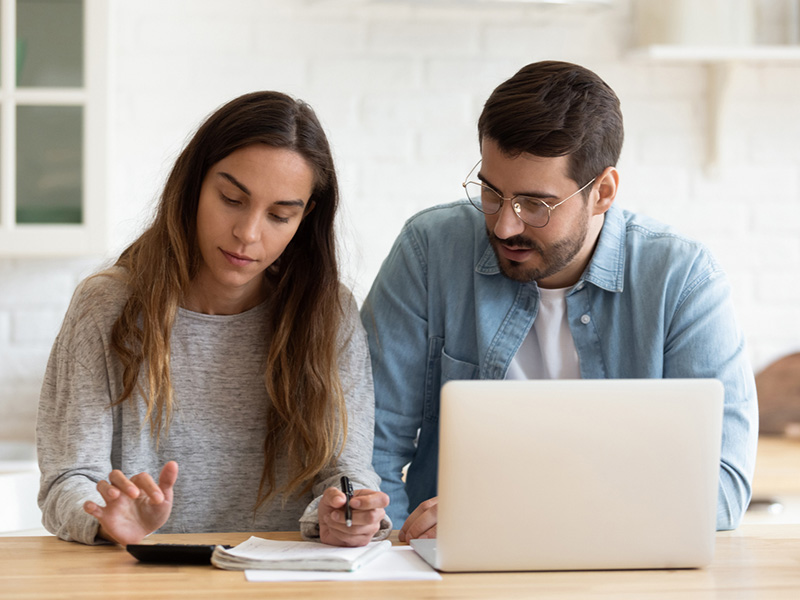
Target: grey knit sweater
217,432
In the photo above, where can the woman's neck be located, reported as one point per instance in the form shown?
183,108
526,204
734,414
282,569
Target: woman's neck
214,300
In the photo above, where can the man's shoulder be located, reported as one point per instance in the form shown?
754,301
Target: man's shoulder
448,234
642,231
655,247
444,217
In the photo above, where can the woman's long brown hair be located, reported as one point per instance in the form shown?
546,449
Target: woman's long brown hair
306,420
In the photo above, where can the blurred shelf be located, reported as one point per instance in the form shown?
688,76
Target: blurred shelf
686,53
473,3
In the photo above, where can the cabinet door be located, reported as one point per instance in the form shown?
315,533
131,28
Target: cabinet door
52,119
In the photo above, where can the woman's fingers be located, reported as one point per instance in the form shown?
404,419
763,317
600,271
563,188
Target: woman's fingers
369,499
108,491
93,509
168,476
123,484
144,482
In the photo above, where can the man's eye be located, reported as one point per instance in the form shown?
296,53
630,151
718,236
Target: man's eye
530,203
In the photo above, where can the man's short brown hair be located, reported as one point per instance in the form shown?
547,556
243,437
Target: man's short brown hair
553,109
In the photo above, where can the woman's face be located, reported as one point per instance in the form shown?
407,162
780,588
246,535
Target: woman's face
251,204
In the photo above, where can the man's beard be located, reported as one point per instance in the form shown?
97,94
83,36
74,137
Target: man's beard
553,259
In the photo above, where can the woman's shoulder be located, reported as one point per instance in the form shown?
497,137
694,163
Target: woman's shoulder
104,287
350,323
100,297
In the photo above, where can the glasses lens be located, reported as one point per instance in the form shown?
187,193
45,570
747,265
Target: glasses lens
532,211
483,198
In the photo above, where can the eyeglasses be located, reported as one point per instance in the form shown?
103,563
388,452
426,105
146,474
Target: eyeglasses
531,211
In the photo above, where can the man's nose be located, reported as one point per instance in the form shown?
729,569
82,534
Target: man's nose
508,223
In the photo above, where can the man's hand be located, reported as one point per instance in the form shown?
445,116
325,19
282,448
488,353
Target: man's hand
367,508
134,507
422,522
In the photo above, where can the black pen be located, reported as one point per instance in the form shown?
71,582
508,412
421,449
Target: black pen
347,488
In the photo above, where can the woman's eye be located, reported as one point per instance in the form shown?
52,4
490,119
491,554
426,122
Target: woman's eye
228,200
280,219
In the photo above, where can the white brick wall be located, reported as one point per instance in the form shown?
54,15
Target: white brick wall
399,86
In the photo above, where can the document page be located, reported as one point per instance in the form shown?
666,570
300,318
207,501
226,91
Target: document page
398,563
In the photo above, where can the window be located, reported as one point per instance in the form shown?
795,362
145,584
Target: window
52,127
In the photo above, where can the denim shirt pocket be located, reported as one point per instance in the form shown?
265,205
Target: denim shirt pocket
441,369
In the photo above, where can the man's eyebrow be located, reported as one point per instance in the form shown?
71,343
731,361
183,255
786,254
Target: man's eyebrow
244,188
542,195
235,182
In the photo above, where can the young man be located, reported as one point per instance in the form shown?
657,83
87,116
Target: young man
546,279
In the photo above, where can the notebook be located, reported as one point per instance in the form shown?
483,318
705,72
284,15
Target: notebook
262,553
577,474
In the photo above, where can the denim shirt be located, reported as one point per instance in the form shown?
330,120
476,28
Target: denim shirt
650,304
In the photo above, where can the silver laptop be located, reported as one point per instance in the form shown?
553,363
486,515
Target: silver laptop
577,474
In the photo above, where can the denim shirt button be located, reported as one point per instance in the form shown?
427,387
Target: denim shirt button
586,319
579,287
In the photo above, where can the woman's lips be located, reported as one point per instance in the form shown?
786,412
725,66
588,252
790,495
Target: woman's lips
238,260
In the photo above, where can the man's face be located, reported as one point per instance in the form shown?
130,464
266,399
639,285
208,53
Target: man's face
555,255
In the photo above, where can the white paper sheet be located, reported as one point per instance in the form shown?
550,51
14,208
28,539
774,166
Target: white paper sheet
399,563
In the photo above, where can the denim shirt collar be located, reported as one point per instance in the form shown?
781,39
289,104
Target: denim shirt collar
606,269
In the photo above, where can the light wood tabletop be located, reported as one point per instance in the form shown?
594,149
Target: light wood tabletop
755,561
777,466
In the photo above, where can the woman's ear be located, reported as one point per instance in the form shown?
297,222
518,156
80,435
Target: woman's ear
606,186
309,207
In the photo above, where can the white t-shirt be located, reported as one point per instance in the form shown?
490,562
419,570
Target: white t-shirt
548,351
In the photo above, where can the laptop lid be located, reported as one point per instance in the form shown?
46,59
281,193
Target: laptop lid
578,474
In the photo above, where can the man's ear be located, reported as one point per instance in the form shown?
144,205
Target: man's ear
606,188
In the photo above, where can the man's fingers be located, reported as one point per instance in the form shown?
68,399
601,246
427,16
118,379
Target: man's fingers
423,523
429,534
423,519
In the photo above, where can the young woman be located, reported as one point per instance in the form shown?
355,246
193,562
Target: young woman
220,344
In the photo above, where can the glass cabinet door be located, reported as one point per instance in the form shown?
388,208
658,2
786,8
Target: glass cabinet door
51,110
49,164
49,43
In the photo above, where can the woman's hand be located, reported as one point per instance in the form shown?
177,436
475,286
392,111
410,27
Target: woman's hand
134,507
422,522
367,508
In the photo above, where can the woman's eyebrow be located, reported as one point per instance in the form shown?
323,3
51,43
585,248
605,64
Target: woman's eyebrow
243,187
235,182
299,203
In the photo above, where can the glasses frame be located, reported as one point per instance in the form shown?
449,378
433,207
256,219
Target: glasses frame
515,205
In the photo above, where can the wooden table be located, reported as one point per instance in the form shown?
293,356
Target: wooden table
756,561
777,466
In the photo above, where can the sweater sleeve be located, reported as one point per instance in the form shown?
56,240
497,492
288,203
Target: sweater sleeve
74,427
355,372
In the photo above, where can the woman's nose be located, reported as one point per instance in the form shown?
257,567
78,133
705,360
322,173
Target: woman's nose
248,228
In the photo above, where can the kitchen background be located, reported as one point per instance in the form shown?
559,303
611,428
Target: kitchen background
710,92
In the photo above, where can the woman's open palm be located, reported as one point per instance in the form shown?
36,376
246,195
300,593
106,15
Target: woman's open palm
134,507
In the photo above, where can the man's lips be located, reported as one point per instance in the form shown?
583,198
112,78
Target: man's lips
515,253
238,260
